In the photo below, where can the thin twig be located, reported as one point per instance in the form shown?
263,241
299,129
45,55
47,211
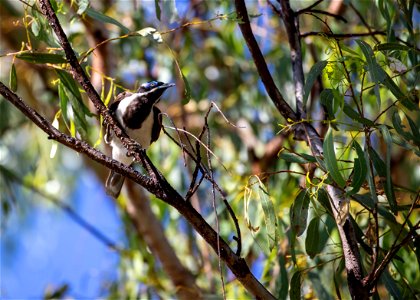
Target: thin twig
342,35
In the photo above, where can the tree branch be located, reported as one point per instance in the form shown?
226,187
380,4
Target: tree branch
260,63
291,22
346,230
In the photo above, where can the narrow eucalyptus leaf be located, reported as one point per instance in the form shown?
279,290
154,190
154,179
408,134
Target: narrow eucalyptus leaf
295,282
331,160
269,216
13,84
315,71
157,9
299,212
360,169
105,19
42,58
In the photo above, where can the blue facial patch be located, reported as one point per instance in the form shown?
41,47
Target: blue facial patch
150,85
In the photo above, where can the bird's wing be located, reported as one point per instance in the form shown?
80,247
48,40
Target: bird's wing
157,124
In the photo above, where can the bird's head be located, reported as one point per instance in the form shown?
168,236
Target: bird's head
153,90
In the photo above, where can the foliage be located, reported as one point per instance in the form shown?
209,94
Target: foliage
361,94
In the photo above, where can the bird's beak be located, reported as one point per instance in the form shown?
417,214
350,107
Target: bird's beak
167,85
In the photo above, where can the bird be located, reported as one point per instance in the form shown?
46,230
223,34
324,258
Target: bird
141,121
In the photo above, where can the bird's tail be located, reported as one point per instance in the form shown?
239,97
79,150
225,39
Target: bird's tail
114,183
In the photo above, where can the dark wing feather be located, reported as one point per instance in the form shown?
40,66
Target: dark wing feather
157,124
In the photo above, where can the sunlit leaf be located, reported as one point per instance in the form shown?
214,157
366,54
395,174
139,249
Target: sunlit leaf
331,160
269,215
64,100
83,6
258,191
35,27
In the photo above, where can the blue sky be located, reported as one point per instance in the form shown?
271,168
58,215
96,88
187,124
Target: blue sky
51,249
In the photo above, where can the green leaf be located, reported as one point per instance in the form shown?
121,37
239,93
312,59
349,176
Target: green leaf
13,78
327,99
378,163
319,288
391,285
35,26
106,19
322,197
360,169
315,71
312,238
296,158
295,282
79,108
414,130
64,100
389,186
299,212
187,91
354,115
282,282
158,10
42,58
269,215
398,126
317,235
380,76
331,160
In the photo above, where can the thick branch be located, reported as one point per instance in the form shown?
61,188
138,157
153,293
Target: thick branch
271,88
291,22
